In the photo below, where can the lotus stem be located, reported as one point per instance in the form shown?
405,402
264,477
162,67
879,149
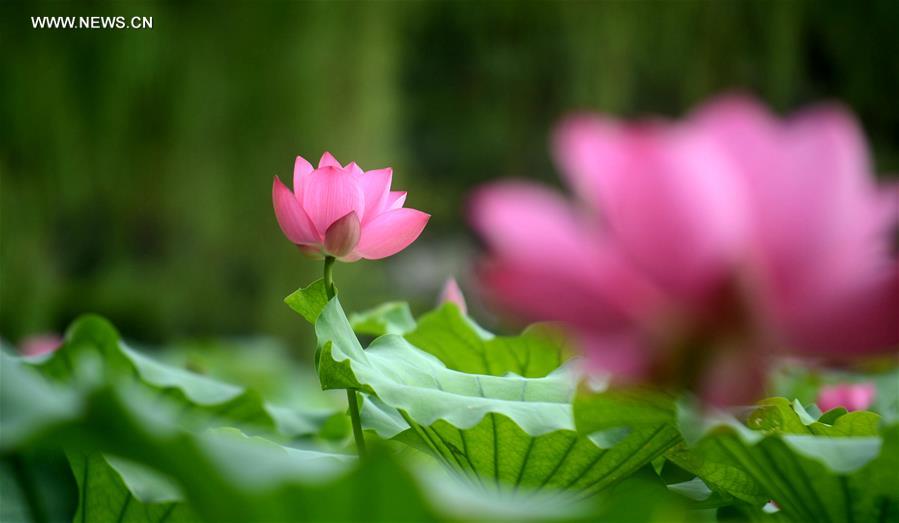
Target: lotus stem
352,403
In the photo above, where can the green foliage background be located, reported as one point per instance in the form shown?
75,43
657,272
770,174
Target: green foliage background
135,166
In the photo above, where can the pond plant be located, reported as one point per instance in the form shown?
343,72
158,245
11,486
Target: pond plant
700,266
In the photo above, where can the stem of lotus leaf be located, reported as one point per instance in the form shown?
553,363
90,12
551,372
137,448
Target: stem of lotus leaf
352,403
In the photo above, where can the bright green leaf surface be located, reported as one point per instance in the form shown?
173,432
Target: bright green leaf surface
814,471
309,301
388,318
780,416
464,346
492,429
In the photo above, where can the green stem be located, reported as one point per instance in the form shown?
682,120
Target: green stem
350,393
329,276
357,423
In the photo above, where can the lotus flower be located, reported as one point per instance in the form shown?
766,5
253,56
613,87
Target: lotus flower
850,396
697,249
345,212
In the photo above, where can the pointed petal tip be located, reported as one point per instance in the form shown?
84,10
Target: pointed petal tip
277,185
354,168
396,200
375,185
451,293
301,168
328,160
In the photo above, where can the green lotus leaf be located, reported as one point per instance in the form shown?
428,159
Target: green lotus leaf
309,301
814,471
464,346
134,460
112,489
601,409
388,318
493,429
93,353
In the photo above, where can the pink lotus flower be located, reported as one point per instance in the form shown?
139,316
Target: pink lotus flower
40,344
850,396
345,212
697,249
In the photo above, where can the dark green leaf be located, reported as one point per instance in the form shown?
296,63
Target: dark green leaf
105,496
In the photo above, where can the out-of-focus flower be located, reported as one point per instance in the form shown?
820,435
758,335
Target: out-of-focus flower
345,212
40,344
850,396
453,294
697,249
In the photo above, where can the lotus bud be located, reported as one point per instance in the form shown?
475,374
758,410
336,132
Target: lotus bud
453,294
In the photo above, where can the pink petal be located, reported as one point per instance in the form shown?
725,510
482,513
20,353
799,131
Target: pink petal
841,326
300,169
621,354
545,246
748,131
354,169
734,375
525,221
451,293
585,146
376,188
850,396
291,218
395,200
391,232
327,160
351,257
330,194
670,196
840,232
343,235
538,293
40,344
818,219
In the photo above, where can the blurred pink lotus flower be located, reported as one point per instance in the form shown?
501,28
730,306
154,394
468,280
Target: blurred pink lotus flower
345,212
697,249
453,294
850,396
40,344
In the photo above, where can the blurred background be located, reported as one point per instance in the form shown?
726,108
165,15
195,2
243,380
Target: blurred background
136,166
